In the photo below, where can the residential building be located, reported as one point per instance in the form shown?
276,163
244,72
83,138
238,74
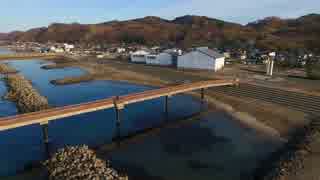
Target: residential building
139,56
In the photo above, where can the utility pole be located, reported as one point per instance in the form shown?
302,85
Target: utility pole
270,63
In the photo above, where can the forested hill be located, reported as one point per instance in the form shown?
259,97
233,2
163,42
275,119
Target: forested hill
186,31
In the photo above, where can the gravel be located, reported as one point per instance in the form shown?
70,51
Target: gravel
26,97
80,163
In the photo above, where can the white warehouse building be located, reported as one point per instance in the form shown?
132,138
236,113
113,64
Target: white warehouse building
139,56
162,59
202,58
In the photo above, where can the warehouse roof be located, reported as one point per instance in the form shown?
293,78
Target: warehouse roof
211,53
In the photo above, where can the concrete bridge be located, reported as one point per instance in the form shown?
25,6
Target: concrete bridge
118,103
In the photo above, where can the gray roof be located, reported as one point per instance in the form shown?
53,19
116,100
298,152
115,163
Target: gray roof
211,53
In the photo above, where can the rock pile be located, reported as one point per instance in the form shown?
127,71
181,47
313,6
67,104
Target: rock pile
80,163
26,97
5,69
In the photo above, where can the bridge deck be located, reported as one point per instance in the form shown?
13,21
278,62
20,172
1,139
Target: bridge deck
43,117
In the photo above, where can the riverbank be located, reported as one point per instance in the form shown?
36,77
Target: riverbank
18,56
21,92
288,163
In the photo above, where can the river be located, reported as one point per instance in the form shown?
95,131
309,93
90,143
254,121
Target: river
213,147
7,108
5,51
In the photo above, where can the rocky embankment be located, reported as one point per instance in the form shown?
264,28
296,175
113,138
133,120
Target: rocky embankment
26,97
73,163
290,159
6,69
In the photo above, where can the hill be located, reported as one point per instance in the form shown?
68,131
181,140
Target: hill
286,34
269,33
3,36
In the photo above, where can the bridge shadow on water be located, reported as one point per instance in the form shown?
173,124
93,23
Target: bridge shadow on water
208,146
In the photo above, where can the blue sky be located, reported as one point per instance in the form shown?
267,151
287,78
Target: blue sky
25,14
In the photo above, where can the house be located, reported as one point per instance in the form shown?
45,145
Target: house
166,58
68,47
243,57
201,58
56,49
121,50
227,55
139,56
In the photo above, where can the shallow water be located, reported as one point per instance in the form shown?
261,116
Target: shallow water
24,145
214,147
7,108
5,51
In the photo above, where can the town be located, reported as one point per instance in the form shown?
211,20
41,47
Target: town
165,56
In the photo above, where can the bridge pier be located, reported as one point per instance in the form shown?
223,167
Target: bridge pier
166,108
45,136
118,122
202,96
203,100
118,108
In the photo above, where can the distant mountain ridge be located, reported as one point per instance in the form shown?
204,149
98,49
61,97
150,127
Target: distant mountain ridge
3,35
269,33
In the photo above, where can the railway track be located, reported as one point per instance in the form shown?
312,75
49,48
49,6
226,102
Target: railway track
298,101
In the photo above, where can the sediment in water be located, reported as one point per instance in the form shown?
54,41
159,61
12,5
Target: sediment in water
26,97
73,80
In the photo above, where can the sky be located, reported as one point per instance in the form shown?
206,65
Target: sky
26,14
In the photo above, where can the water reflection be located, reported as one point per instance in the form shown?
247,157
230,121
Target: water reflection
5,51
214,147
7,108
